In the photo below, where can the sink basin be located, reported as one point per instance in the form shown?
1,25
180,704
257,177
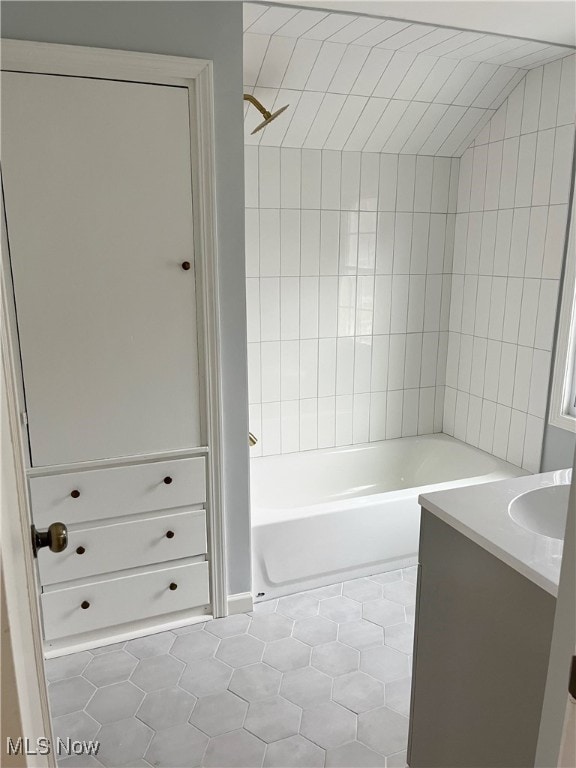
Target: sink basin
542,510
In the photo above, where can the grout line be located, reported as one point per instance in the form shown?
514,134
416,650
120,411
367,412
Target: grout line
524,277
303,91
498,100
357,15
477,283
353,128
431,76
430,130
302,34
453,130
327,39
479,210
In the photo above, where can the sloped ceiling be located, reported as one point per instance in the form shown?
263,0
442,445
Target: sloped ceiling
377,85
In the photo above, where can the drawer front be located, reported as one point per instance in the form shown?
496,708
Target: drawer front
77,497
124,599
117,546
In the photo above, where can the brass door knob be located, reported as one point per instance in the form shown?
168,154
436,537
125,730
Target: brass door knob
55,538
173,586
186,265
75,494
85,604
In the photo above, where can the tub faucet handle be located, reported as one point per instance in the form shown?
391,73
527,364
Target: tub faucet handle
252,439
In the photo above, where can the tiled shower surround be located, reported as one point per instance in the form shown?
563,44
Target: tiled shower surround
349,258
513,197
358,264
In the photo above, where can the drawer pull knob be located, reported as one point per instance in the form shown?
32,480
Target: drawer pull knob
186,265
80,550
169,534
75,494
168,480
85,604
173,586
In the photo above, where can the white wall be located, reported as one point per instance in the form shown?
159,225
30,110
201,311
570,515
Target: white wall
559,448
509,242
348,284
211,31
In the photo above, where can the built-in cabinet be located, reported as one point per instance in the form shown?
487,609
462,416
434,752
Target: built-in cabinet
98,195
99,208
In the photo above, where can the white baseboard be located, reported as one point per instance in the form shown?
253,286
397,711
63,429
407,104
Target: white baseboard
120,634
240,603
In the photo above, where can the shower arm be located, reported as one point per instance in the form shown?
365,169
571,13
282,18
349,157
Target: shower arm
254,101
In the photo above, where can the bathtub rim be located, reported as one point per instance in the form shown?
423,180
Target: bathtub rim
502,470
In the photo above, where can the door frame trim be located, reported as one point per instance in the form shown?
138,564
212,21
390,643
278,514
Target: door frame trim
16,557
197,76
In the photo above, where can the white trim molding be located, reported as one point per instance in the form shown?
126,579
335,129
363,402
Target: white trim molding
16,559
564,375
78,61
90,640
240,603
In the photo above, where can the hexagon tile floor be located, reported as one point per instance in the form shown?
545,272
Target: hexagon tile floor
321,678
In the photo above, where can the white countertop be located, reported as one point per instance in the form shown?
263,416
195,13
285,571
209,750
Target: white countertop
480,512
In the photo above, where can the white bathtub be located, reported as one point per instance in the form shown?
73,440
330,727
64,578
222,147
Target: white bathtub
324,516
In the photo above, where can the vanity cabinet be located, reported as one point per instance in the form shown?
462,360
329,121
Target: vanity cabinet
482,643
107,310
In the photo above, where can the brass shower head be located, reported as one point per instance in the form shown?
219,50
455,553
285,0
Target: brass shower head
268,116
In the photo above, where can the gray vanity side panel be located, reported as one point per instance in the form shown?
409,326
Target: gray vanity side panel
563,646
483,643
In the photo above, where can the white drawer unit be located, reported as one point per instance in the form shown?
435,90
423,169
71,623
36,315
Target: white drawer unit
104,548
124,598
96,494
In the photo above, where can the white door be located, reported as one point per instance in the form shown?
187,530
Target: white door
97,186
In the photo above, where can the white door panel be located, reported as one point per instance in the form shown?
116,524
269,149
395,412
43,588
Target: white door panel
97,183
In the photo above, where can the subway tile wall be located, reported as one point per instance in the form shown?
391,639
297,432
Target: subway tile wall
349,264
512,206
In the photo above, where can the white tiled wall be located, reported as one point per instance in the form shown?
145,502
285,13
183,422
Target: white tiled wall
374,85
513,192
349,261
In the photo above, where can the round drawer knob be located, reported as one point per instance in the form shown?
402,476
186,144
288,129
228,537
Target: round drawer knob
85,604
169,534
80,550
75,494
186,265
168,480
173,586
